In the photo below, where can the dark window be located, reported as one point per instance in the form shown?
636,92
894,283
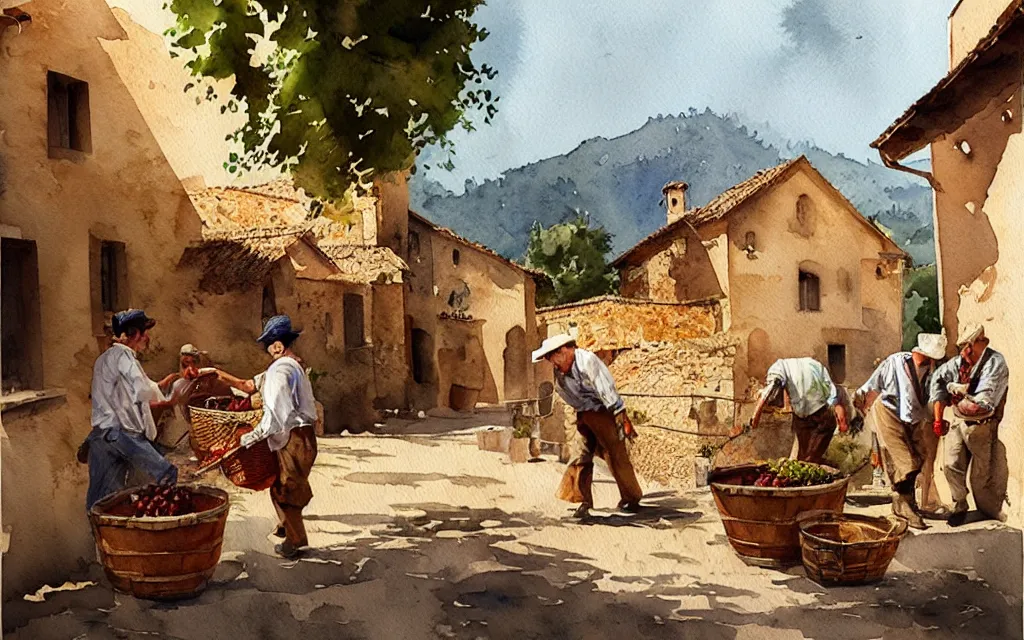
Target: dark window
421,356
109,280
352,304
269,305
837,362
22,347
810,292
455,256
803,209
414,244
68,117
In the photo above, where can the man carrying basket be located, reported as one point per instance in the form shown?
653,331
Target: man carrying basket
289,416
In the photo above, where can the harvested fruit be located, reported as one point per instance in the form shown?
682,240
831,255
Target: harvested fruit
158,501
784,472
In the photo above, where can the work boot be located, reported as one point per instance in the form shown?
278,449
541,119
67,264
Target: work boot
582,511
957,519
287,550
629,507
903,506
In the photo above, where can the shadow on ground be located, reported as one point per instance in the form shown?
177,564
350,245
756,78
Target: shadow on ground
435,572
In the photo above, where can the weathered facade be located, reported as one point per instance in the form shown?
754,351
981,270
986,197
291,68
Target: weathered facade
799,272
471,321
972,122
93,219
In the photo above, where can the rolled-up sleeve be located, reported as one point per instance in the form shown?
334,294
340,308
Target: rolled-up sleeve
603,384
992,384
947,373
877,380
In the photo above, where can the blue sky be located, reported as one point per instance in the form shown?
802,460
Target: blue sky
834,72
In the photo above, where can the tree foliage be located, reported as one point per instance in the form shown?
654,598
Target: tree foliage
574,256
337,89
920,304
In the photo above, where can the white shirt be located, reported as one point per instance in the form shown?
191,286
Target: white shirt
900,388
121,393
287,403
807,382
589,385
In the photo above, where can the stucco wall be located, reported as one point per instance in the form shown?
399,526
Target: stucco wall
498,298
980,254
970,22
124,190
858,308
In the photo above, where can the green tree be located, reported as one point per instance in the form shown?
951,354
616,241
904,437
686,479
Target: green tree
339,88
574,256
920,304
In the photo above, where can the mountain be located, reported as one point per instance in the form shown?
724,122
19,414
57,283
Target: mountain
618,183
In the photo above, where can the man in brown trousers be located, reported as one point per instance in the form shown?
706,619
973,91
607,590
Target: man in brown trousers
288,426
585,384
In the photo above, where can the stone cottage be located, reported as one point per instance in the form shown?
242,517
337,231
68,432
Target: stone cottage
971,123
796,268
93,219
470,321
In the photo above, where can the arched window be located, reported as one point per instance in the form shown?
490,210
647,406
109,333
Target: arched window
810,291
803,209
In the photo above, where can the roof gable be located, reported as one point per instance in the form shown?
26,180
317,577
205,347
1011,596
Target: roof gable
731,199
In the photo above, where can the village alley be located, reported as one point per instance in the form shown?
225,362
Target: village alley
421,535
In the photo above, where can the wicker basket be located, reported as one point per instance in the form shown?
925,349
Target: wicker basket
252,468
848,549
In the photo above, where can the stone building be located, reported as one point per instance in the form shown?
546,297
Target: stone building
971,123
797,269
470,318
93,219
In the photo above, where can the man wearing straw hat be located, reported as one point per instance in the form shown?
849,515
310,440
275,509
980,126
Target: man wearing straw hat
901,384
586,385
974,383
123,401
288,426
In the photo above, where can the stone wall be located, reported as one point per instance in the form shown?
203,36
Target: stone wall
612,323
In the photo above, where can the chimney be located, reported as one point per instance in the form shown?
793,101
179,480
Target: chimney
675,199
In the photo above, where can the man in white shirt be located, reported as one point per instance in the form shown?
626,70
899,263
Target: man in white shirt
123,401
819,405
586,385
288,426
901,386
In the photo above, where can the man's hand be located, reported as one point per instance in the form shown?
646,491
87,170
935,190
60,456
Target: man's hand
940,428
957,389
624,425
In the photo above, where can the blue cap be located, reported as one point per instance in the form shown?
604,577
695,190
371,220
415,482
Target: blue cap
277,328
131,318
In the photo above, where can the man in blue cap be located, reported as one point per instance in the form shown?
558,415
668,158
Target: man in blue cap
289,416
123,401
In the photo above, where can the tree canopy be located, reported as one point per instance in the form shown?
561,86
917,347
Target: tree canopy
337,89
574,256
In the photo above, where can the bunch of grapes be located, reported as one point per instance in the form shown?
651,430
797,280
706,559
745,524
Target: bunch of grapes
788,473
161,501
769,479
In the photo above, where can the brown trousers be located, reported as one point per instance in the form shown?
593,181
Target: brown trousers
291,492
814,434
902,444
600,438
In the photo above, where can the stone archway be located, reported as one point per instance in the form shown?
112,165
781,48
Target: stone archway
516,362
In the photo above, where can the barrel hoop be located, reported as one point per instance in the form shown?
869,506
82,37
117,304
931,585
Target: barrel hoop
106,549
138,577
773,523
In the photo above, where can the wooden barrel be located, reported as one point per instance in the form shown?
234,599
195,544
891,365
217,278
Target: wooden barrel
848,549
160,558
761,522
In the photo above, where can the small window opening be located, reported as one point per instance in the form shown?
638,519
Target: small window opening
675,202
68,117
455,256
22,349
810,292
352,307
837,362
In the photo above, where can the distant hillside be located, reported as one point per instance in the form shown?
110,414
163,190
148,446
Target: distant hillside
618,182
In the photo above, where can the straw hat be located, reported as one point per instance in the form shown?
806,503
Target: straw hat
932,345
553,344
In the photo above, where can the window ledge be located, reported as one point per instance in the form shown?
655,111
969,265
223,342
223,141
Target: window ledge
10,401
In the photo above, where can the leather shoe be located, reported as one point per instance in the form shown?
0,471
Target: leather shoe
957,519
903,506
582,511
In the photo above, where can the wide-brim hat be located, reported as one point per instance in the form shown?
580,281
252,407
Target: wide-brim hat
932,345
277,328
131,318
551,345
969,333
